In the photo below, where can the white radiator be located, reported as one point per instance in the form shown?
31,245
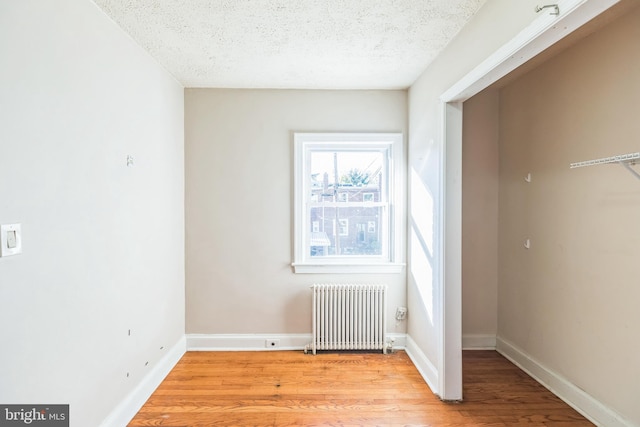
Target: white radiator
349,317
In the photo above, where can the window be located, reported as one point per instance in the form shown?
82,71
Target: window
343,179
361,235
344,226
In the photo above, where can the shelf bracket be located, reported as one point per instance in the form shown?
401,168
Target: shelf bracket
627,166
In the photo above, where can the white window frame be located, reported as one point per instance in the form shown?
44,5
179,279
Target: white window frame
388,143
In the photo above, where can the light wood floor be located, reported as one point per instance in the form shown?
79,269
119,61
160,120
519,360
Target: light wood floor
290,388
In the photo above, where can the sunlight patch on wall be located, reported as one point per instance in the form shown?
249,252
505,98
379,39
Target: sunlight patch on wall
422,273
422,212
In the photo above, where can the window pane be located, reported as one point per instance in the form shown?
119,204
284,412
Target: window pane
352,230
355,172
343,186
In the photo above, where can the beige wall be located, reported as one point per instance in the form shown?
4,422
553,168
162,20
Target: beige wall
102,243
480,219
571,301
239,193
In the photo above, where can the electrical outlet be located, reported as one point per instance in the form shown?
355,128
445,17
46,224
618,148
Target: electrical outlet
401,313
272,343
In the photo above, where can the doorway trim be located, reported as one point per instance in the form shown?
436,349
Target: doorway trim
542,33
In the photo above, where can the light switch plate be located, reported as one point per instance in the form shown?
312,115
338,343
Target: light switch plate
10,239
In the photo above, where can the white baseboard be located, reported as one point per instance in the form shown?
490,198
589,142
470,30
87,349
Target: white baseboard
478,342
423,364
245,342
131,404
257,342
587,405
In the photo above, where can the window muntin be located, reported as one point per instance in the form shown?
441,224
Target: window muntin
345,188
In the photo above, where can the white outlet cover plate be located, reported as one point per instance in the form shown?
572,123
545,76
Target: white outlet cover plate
5,229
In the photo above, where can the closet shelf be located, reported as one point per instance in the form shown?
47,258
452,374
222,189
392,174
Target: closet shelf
625,160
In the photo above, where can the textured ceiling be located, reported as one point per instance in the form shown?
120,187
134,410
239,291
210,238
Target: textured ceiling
313,44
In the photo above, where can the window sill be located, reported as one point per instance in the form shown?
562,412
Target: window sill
382,268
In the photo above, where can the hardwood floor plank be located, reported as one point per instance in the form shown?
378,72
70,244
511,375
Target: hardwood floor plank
345,389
